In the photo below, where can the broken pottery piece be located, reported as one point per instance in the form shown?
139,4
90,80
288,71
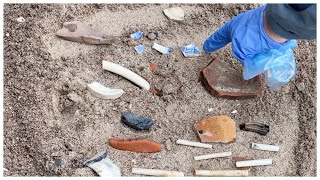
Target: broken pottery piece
140,145
162,49
153,67
175,13
136,35
259,128
136,122
190,50
216,129
103,166
79,32
139,49
222,80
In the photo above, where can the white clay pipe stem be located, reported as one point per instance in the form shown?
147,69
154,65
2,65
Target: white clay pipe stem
222,173
265,147
126,73
156,172
195,144
259,162
215,155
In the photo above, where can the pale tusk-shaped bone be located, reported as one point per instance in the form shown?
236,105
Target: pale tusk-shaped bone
195,144
156,172
265,147
100,91
227,173
103,166
259,162
215,155
126,73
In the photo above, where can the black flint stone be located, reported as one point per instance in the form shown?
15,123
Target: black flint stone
136,122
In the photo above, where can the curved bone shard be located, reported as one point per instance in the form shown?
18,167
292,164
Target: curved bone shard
126,73
156,172
100,91
79,32
103,166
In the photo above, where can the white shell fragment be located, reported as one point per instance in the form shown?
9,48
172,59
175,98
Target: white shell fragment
222,173
126,73
21,19
234,111
103,166
100,91
156,172
215,155
265,147
175,13
195,144
259,162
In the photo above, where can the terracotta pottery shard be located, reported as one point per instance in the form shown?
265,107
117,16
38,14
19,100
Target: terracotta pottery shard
140,145
78,32
222,80
216,129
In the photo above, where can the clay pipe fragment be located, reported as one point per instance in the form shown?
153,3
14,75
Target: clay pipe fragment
259,128
156,172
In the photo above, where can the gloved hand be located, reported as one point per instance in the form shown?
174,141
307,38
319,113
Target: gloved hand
247,34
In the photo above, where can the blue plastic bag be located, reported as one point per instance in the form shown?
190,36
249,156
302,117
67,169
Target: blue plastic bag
278,65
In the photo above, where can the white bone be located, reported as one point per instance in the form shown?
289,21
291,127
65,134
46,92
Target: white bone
156,172
259,162
215,155
265,147
195,144
103,92
126,73
227,173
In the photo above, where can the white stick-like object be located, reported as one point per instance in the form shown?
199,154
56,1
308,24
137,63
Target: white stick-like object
265,147
227,173
156,172
259,162
195,144
215,155
103,92
126,73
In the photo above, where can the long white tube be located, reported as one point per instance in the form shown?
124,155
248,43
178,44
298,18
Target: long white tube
259,162
195,144
265,147
215,155
227,173
156,172
126,73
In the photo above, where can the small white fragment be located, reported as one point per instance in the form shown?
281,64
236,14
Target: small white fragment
259,162
234,111
21,19
195,144
156,172
175,13
7,34
103,92
215,155
103,166
221,173
126,73
265,147
210,109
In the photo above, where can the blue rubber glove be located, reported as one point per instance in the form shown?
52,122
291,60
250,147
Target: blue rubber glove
247,34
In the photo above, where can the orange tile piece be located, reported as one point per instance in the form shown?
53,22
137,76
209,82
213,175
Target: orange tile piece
140,145
216,129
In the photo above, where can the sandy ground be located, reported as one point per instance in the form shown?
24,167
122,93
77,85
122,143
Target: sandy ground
47,133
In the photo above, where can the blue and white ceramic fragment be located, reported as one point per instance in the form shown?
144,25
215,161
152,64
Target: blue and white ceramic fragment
190,50
137,35
162,49
139,49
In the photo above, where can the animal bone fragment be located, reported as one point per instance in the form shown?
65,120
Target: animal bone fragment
156,172
126,73
195,144
100,91
79,32
102,165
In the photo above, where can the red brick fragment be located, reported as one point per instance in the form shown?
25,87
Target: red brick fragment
140,145
155,91
222,80
153,67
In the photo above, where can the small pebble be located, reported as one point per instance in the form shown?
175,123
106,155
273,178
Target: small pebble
235,111
21,19
133,161
7,34
301,86
210,109
152,36
168,145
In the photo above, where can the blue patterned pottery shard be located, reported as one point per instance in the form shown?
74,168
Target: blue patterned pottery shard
139,49
190,50
162,49
137,35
